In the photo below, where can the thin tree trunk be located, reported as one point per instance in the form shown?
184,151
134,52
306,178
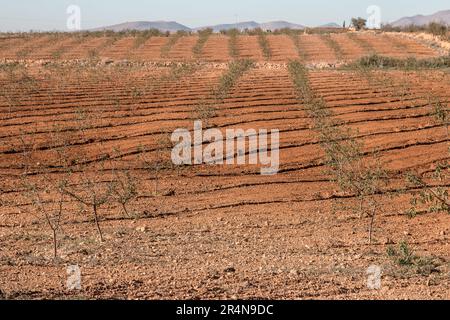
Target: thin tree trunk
361,213
372,220
124,207
55,244
54,229
97,223
156,184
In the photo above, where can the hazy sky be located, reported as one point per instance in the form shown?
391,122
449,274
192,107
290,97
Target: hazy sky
23,15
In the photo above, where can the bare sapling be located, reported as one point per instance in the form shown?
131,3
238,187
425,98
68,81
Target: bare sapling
124,188
51,210
86,182
157,160
91,192
41,187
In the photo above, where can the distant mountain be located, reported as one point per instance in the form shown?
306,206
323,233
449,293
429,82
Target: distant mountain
163,26
251,25
274,25
174,26
330,25
241,26
420,20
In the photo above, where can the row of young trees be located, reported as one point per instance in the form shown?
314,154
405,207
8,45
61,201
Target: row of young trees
54,175
348,166
92,183
430,193
58,171
360,174
434,28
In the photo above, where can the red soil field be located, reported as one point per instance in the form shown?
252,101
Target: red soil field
216,48
215,231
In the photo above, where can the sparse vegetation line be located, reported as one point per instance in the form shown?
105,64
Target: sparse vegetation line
352,172
233,43
235,70
375,61
355,37
332,44
434,199
203,36
207,109
111,39
264,44
434,28
141,38
295,37
172,40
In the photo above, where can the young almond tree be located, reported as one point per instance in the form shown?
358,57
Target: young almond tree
86,184
42,189
155,164
51,210
89,190
124,189
356,174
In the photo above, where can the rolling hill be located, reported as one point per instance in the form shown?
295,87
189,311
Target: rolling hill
163,26
420,20
173,26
